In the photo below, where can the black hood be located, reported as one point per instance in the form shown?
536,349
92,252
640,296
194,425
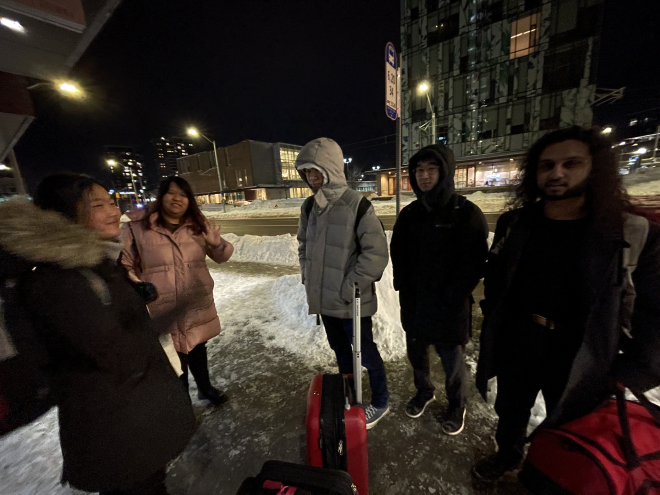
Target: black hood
444,189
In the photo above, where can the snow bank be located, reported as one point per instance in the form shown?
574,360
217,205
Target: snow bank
645,188
300,333
277,249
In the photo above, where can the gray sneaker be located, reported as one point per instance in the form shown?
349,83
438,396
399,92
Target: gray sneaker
374,414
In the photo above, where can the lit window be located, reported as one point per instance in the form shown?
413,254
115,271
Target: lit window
524,36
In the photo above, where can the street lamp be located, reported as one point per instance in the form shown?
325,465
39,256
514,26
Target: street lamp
424,88
607,130
194,133
67,88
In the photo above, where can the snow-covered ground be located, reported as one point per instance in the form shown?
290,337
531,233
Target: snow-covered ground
264,357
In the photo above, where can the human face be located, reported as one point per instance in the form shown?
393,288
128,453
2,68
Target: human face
427,174
175,202
314,178
100,212
564,170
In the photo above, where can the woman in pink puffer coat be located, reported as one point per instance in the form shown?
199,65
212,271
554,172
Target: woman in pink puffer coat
168,247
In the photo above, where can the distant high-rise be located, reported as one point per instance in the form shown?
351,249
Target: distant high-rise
168,150
127,168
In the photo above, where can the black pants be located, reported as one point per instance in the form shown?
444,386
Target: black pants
154,485
340,338
453,361
197,361
530,364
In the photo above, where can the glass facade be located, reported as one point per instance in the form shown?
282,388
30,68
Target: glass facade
501,73
288,155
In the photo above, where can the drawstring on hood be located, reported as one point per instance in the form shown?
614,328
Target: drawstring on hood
325,155
443,191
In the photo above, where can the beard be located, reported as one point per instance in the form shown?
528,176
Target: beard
572,192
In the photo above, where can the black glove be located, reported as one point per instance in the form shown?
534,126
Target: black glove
146,290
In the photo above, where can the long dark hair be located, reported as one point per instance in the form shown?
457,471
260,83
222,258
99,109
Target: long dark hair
605,196
63,193
193,213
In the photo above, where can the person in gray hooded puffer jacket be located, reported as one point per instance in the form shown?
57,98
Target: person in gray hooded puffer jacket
335,253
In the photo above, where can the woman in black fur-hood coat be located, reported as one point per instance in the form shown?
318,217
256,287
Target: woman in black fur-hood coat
123,413
438,250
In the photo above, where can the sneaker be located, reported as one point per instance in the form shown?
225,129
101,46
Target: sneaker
213,395
374,414
417,404
493,467
454,421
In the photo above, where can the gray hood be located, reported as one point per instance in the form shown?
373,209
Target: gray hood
40,236
327,155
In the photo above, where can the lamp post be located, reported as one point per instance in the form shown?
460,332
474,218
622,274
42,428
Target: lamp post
424,88
194,133
67,88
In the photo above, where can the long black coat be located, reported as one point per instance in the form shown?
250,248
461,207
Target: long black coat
438,257
123,413
602,284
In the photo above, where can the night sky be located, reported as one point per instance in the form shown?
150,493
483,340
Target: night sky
285,70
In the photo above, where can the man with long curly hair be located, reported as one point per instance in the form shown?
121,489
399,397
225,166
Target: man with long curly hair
560,303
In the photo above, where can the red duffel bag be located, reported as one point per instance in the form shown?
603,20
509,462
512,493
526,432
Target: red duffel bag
614,450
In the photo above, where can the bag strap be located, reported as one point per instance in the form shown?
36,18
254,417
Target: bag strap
627,446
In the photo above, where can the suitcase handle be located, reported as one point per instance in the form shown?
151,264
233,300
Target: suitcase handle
357,346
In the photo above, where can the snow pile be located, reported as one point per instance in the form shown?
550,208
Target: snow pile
645,188
277,249
269,204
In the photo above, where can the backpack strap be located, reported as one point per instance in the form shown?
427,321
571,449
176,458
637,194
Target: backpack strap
307,205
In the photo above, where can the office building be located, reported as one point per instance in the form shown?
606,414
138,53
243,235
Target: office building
249,170
500,74
168,150
127,169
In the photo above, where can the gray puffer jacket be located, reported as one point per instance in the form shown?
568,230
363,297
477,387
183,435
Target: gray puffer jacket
333,253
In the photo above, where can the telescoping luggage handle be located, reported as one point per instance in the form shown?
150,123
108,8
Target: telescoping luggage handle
357,346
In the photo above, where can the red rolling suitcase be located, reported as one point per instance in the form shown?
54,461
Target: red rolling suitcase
336,426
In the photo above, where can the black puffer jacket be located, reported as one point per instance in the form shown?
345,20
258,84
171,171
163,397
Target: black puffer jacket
123,413
438,250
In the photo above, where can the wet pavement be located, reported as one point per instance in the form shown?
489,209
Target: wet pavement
265,418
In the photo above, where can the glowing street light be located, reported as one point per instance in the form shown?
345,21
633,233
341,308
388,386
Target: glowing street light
67,88
607,130
640,151
12,24
195,133
425,88
112,163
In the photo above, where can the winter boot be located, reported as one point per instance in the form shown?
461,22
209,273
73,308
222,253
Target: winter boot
199,367
493,467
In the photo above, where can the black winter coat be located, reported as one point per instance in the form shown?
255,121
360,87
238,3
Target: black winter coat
438,258
123,413
602,282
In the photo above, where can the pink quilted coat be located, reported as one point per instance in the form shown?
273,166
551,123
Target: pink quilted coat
176,264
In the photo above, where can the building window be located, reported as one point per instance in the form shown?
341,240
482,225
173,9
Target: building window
524,36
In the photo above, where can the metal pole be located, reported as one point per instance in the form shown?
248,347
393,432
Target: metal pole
357,346
398,137
655,146
217,167
18,178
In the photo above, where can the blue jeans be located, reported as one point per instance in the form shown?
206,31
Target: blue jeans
340,338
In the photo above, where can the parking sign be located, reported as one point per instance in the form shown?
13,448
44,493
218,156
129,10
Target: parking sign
390,81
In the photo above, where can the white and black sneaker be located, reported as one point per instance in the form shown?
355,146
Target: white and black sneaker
454,421
417,405
374,414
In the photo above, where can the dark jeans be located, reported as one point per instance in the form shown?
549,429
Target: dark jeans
521,374
453,361
154,485
340,338
197,361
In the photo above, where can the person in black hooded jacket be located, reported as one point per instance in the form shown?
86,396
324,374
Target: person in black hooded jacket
438,249
123,413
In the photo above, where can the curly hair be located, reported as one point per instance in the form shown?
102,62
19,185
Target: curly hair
605,196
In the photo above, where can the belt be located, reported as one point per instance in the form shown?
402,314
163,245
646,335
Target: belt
543,321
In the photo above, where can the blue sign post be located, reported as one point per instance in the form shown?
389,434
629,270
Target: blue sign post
390,81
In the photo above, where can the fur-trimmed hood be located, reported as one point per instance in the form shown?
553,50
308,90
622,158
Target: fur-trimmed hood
30,234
